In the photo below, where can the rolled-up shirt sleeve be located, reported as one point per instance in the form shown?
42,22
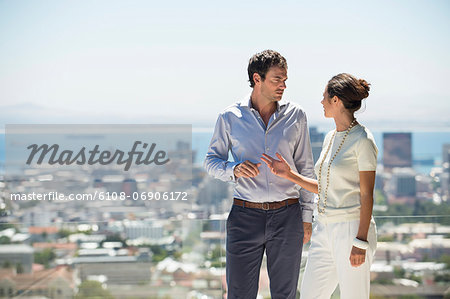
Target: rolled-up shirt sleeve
216,162
304,162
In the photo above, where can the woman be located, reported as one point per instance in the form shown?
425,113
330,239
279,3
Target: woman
344,238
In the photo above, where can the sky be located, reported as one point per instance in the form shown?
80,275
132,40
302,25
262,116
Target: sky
186,61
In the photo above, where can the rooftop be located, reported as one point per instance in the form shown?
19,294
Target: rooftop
16,248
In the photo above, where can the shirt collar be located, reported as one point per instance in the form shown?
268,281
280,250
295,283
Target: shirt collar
247,102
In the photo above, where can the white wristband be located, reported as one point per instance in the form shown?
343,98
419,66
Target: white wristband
360,244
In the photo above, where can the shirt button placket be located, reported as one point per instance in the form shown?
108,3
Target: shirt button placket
267,149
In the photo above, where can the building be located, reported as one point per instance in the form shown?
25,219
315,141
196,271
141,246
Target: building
211,193
130,189
446,155
444,178
143,228
43,233
19,256
40,215
57,283
431,247
60,249
118,270
445,175
401,291
404,182
397,150
401,186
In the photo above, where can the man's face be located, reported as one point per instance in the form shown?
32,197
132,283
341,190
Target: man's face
273,86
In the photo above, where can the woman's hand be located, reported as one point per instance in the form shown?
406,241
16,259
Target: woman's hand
282,169
278,167
357,256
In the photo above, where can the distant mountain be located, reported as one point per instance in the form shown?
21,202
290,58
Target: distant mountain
31,113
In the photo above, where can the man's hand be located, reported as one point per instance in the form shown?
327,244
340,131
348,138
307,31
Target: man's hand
246,169
307,232
357,256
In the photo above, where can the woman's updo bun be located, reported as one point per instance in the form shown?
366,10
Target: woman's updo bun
365,85
349,90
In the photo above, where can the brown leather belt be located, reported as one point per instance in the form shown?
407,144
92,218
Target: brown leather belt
264,205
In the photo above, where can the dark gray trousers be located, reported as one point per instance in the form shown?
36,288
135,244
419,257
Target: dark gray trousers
249,233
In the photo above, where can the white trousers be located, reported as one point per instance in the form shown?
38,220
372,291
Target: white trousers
329,262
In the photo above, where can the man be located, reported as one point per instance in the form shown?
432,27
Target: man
266,213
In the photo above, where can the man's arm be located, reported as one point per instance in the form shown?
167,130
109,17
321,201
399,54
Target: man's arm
304,163
216,162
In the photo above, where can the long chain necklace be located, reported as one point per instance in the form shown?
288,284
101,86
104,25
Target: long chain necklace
322,210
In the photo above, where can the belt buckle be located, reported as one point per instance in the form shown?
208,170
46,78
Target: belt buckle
264,207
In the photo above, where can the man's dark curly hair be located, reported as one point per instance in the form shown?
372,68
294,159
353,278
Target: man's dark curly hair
261,63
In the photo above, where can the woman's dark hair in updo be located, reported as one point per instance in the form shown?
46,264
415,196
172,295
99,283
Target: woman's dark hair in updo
349,90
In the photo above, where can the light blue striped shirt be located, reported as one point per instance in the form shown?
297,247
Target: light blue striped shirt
241,131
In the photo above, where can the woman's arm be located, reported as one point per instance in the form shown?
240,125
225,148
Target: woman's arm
281,168
366,182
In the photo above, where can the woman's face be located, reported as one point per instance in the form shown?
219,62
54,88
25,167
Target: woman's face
327,104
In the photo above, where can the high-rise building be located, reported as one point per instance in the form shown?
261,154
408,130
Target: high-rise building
397,150
211,193
404,182
446,155
130,190
129,186
444,178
